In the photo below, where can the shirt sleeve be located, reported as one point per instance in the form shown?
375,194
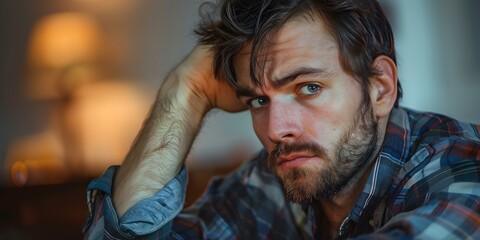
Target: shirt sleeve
152,215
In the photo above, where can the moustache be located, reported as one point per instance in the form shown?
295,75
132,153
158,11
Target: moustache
285,149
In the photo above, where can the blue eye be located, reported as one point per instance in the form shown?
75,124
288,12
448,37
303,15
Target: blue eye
309,89
258,102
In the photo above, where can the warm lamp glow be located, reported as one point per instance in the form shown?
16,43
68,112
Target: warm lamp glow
59,43
62,39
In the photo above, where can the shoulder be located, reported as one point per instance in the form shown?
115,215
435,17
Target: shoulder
430,127
444,153
439,141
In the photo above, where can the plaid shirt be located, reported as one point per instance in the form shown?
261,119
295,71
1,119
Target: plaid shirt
425,184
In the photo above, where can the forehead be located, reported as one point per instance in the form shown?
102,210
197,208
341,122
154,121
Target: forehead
302,42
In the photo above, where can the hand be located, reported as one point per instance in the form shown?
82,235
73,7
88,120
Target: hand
196,71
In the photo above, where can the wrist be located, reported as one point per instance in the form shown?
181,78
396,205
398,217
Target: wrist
190,91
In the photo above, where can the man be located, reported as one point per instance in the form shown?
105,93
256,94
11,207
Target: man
341,159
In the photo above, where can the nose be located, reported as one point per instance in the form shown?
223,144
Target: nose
284,123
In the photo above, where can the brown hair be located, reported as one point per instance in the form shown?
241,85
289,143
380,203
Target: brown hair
360,28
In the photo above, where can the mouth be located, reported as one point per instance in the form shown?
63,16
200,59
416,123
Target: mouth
294,160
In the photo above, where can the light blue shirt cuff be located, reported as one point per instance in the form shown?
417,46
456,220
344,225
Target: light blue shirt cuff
153,214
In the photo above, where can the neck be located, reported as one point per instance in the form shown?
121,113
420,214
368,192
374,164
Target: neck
335,210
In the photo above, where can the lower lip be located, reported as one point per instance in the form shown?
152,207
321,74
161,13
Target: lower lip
295,162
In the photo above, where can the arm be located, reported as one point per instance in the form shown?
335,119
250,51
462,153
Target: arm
187,94
158,154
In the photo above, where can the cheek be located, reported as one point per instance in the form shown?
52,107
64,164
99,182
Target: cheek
326,123
339,115
342,106
260,124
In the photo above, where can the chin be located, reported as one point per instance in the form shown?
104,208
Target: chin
299,185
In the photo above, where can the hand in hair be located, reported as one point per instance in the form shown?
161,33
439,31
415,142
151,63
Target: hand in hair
196,70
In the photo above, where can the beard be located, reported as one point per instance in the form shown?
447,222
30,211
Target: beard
351,155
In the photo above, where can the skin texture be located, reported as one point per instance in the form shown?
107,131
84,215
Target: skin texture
307,113
306,99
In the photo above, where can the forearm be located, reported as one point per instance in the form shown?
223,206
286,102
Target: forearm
162,145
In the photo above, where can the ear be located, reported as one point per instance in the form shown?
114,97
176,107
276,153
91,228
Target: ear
383,87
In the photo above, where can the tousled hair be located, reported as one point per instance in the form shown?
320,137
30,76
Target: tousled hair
360,28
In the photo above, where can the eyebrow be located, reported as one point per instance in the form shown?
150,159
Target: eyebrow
280,82
300,72
245,92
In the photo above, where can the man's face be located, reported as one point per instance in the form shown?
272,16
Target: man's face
308,113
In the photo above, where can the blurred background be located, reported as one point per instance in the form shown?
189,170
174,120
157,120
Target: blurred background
77,79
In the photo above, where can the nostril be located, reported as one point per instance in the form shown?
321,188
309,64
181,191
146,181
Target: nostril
284,133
